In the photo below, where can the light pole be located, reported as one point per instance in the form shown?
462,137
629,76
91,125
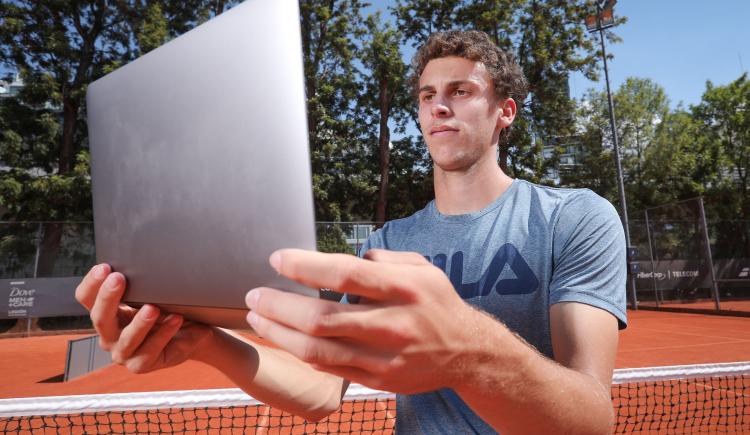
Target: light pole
604,19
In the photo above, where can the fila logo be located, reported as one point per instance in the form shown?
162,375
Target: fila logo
525,281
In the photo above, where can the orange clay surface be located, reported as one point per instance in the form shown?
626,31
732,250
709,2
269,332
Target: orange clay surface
709,305
661,338
33,366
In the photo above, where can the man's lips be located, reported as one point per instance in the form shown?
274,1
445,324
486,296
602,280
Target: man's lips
442,129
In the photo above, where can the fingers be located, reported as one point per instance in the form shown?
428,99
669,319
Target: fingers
312,316
104,311
396,257
189,337
343,273
132,336
316,350
151,349
89,286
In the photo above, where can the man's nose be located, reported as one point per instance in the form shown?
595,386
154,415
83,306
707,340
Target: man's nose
440,108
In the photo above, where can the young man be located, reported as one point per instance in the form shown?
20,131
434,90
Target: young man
495,308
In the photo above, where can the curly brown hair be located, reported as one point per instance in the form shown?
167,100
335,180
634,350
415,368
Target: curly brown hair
475,45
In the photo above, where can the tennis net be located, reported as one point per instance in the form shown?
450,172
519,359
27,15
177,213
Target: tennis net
712,398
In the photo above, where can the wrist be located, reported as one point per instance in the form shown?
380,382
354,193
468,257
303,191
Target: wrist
208,349
492,355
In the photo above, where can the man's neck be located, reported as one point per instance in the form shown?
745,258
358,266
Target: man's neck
469,190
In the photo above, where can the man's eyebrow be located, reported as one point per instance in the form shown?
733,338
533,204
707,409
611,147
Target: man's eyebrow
453,84
457,83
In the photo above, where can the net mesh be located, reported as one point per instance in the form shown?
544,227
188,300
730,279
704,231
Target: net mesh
707,405
366,416
663,400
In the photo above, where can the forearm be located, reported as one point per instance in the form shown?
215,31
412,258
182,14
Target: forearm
273,376
517,390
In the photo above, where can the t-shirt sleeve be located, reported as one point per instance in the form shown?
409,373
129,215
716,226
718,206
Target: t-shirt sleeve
589,255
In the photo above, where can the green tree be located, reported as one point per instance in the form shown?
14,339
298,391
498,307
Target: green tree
59,48
672,163
724,114
594,167
385,98
550,42
330,31
152,30
411,177
641,106
417,19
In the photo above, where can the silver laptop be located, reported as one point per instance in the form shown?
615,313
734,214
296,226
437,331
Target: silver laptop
200,164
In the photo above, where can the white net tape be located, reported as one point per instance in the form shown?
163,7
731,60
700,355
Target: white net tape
235,397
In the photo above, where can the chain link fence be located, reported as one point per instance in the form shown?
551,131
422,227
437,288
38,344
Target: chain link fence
688,263
66,249
683,261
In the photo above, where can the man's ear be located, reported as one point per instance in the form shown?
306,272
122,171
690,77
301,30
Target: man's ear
508,112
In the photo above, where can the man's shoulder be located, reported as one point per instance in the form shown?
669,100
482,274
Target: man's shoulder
396,230
576,212
566,201
409,221
559,195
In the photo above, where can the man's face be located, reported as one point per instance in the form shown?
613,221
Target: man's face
459,113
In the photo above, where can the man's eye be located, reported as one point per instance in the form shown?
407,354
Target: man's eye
427,97
460,92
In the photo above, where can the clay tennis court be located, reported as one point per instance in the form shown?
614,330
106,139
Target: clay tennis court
730,307
34,366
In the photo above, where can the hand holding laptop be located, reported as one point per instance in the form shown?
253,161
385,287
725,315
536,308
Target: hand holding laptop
142,339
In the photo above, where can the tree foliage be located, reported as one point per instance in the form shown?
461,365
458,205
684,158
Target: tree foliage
365,164
724,117
549,41
385,99
672,155
59,47
641,106
330,29
724,113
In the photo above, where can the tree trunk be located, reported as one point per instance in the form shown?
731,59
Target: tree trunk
49,249
70,119
219,7
384,152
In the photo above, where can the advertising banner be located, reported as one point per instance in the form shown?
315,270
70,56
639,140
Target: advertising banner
689,274
39,297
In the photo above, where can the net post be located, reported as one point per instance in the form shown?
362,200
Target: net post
651,256
39,234
707,241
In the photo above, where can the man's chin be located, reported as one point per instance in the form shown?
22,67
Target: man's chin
454,164
452,161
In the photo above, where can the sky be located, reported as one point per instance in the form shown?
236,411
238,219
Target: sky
677,44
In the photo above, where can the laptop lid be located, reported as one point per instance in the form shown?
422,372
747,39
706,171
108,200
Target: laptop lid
200,163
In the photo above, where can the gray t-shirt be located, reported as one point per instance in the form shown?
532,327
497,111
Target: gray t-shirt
531,248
